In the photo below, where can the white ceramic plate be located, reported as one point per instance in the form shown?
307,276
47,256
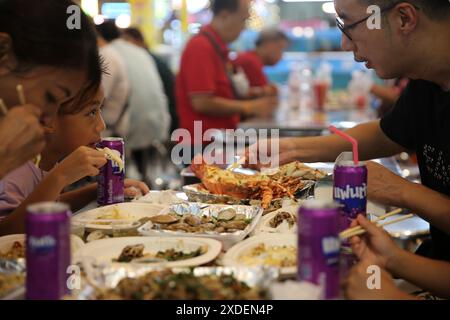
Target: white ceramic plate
7,242
165,197
232,257
105,250
264,224
129,211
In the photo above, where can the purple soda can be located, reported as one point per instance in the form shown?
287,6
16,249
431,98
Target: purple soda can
47,250
350,190
319,245
111,179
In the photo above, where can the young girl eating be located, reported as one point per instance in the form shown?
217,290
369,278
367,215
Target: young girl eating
69,156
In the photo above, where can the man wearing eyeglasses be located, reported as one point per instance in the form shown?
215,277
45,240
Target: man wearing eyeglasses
413,41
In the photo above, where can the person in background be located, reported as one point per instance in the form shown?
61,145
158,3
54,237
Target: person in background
116,88
135,36
149,114
205,89
388,94
269,50
376,248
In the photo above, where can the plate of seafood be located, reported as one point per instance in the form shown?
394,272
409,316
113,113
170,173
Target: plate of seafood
226,223
227,186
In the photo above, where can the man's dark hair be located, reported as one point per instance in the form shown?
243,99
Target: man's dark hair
108,30
271,35
434,9
40,37
134,33
217,6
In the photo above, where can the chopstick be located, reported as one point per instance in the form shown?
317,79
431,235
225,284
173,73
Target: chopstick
347,235
21,94
3,108
23,101
383,217
241,161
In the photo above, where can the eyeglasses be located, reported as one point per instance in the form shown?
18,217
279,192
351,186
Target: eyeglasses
345,29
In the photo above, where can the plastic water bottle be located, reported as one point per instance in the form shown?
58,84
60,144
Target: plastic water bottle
359,89
294,88
322,83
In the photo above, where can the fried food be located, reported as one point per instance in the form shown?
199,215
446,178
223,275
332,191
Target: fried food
167,285
17,251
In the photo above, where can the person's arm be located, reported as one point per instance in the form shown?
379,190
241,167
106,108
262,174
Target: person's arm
390,189
376,247
372,142
80,198
387,94
213,105
356,288
430,275
81,163
48,190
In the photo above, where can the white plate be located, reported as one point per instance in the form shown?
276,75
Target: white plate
105,250
165,197
130,211
231,258
264,224
7,242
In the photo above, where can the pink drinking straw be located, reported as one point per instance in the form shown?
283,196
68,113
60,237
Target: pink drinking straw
348,138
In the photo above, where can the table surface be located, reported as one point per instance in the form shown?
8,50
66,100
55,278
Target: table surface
307,120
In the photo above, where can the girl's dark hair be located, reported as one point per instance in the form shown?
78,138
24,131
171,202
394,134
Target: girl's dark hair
41,36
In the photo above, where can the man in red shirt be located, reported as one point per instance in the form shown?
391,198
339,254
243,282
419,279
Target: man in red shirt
270,46
204,87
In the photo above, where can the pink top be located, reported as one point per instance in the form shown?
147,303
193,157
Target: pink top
16,186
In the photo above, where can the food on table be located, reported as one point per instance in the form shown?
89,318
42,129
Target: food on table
96,235
113,155
282,182
9,282
174,255
130,253
133,252
276,256
112,213
297,169
167,285
226,220
280,217
17,251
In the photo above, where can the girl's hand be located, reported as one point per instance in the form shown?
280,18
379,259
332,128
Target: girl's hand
81,163
134,188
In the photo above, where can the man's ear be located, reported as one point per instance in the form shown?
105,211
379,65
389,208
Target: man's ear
408,17
8,60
